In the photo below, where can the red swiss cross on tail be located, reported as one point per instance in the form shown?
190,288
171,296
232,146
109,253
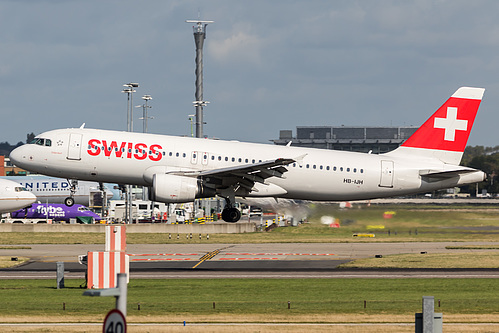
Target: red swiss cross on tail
449,127
445,134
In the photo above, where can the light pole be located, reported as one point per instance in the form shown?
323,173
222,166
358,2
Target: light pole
144,118
129,112
144,107
191,118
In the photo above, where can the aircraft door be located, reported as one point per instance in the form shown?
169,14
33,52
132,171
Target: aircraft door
386,179
74,147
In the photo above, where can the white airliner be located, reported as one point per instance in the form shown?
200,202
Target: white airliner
13,196
180,169
58,190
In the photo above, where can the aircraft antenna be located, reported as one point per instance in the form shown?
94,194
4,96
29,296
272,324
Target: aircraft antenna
199,103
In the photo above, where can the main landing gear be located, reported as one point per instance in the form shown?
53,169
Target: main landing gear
70,201
230,213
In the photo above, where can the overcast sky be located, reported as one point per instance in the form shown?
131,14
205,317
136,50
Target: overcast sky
268,65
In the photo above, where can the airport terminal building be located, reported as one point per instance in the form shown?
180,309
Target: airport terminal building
359,139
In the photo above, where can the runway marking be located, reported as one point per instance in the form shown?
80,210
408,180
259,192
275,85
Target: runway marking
207,256
162,259
211,255
279,254
163,254
248,259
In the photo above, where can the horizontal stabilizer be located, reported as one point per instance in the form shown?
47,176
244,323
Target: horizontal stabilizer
445,174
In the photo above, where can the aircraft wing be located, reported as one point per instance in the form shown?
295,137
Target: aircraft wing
241,176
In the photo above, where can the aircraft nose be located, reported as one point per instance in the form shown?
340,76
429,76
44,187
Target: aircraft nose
25,198
30,197
18,155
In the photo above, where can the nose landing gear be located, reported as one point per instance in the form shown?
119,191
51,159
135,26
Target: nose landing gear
70,201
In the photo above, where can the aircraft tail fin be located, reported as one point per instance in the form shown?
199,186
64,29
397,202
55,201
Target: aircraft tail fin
445,134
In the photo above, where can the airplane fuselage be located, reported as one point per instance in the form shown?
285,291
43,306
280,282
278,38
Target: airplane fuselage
13,196
55,190
56,212
322,175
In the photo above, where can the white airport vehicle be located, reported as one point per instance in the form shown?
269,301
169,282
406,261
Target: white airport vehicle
181,169
141,210
13,196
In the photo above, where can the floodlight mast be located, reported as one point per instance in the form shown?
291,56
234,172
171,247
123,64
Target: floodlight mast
129,113
144,107
199,37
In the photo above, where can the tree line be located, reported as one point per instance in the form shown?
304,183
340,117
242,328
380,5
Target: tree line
487,160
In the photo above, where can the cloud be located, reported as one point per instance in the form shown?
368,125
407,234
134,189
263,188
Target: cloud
240,46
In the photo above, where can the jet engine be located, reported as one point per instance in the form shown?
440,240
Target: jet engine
171,189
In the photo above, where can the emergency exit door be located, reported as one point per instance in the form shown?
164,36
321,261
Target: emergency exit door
386,179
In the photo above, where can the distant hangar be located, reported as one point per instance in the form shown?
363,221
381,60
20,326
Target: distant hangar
359,139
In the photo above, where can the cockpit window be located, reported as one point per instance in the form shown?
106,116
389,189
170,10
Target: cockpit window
19,189
83,209
42,142
39,141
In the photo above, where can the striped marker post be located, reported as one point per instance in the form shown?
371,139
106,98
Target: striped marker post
103,268
115,238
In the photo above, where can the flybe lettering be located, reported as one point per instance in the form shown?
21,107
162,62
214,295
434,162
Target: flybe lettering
139,151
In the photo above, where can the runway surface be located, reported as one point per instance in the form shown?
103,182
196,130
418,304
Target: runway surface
287,260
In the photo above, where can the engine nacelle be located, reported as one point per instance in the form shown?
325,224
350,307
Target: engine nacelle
172,189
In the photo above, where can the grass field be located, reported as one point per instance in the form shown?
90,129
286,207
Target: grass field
247,299
434,260
409,223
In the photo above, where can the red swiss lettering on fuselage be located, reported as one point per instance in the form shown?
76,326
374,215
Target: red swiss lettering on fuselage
139,151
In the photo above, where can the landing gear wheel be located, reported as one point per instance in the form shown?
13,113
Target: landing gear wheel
69,201
231,214
73,185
